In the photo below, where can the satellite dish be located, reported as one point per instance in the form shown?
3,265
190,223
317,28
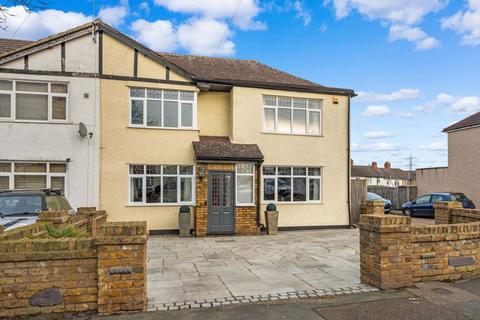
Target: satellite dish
82,130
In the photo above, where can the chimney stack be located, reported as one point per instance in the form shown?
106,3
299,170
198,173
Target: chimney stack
351,162
374,165
387,165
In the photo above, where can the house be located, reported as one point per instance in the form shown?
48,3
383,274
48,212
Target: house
463,172
386,176
45,94
223,136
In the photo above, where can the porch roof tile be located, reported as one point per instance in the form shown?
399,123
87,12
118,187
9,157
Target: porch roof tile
211,148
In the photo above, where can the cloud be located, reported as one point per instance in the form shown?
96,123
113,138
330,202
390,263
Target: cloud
158,35
399,95
302,13
375,111
405,115
466,23
40,24
376,147
377,134
455,105
402,16
434,146
413,34
243,12
144,6
206,37
114,15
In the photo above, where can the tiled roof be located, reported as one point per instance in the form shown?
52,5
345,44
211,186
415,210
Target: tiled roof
7,45
237,71
221,148
473,120
370,172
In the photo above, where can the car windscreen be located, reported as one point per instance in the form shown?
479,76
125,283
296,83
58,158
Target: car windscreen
373,196
13,205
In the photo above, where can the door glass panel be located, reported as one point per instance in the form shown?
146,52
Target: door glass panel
227,190
215,190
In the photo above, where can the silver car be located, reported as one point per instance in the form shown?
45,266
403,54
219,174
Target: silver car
21,208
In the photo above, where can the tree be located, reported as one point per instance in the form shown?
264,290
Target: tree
28,5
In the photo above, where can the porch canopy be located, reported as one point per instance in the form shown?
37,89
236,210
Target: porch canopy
211,148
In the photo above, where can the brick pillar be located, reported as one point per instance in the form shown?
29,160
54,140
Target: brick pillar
201,208
443,211
386,251
376,207
57,218
122,269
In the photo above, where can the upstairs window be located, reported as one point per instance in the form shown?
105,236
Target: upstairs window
159,108
33,101
292,115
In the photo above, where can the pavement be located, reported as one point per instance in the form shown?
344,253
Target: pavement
431,300
204,272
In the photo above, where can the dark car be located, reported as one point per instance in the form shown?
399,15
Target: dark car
373,196
423,205
21,208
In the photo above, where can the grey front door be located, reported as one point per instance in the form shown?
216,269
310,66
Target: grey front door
221,202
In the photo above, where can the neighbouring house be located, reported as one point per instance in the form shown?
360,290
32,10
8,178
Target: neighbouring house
46,91
463,172
223,136
386,176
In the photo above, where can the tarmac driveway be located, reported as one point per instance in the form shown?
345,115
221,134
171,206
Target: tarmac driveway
204,272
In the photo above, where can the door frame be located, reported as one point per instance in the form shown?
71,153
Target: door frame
234,202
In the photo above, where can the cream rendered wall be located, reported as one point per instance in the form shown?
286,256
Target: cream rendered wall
328,151
147,68
214,113
117,57
46,60
463,160
81,55
122,145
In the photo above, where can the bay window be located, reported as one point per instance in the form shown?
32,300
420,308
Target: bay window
292,115
32,175
33,101
161,184
159,108
245,188
291,184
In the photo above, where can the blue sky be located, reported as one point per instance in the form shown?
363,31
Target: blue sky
415,64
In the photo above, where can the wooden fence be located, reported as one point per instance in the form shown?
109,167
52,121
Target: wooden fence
398,195
358,197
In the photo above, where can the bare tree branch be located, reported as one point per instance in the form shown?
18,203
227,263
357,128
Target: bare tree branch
28,6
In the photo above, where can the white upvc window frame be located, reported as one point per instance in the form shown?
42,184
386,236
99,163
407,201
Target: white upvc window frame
162,100
49,94
292,108
250,174
48,175
144,176
276,176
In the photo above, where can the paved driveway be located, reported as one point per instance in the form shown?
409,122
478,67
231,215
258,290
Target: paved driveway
213,270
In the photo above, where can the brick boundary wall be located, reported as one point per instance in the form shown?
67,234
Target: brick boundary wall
104,272
394,253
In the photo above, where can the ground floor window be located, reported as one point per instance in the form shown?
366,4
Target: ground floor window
161,184
291,184
245,184
32,175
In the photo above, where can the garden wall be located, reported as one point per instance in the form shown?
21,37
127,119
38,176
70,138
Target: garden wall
104,271
394,253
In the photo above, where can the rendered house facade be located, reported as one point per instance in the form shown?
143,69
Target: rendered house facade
223,136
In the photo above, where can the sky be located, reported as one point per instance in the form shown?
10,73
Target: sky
415,65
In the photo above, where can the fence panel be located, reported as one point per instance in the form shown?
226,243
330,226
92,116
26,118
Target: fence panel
398,195
358,197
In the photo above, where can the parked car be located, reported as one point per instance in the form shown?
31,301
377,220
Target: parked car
423,205
373,196
21,208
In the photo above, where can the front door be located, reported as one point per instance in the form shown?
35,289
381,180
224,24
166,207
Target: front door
221,203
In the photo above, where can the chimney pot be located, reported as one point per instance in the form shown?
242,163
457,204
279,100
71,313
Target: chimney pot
374,165
387,165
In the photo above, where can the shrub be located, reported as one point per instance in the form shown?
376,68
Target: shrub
64,232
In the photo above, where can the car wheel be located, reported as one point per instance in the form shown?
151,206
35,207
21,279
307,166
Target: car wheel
407,212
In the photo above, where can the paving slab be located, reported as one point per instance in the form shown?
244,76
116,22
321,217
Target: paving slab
220,267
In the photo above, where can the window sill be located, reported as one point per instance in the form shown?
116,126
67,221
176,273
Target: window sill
36,121
157,128
158,204
293,202
293,134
